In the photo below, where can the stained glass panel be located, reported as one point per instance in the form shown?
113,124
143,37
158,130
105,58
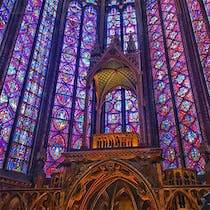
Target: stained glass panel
87,42
113,2
187,116
13,83
113,111
163,97
202,38
5,12
113,24
129,26
132,112
24,131
59,127
207,7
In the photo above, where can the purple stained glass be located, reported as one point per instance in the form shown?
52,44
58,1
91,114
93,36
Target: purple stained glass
132,112
59,125
187,115
87,42
24,131
129,26
113,24
13,83
207,7
5,13
113,2
202,38
113,111
163,98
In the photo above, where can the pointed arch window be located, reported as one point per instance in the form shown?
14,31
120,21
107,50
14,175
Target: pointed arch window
121,113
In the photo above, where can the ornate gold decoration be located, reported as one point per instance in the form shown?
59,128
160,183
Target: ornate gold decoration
116,140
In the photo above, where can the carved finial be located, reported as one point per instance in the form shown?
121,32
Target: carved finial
96,48
131,44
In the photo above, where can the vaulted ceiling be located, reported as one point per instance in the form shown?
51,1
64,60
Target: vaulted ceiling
113,74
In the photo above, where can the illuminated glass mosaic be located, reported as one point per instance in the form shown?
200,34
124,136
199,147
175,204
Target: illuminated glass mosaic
65,88
113,24
129,26
5,12
207,7
185,104
16,72
24,132
202,38
115,113
131,112
163,98
121,21
59,127
87,42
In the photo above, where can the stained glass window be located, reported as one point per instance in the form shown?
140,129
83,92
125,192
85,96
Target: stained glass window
121,21
201,36
16,72
132,112
113,111
187,116
92,2
113,24
71,84
129,26
113,2
163,97
24,132
61,113
5,11
207,7
87,42
119,119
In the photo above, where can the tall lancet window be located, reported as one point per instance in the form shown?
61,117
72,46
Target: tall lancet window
121,112
201,36
121,21
67,119
26,74
179,127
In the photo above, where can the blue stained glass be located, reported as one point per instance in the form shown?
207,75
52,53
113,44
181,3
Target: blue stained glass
5,13
88,40
59,128
28,115
13,83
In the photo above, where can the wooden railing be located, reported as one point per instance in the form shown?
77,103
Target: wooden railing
116,140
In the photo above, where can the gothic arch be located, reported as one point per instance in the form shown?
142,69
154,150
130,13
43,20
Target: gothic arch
15,202
38,202
192,201
103,174
124,71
